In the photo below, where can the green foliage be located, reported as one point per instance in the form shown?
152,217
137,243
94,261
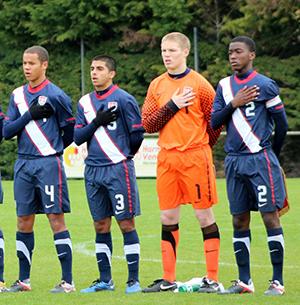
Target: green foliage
8,155
131,32
273,23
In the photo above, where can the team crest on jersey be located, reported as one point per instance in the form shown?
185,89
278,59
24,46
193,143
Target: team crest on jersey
42,100
112,104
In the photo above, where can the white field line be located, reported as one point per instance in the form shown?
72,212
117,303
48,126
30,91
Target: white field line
82,248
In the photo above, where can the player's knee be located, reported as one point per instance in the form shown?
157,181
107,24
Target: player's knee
126,225
168,219
25,224
103,225
241,222
271,220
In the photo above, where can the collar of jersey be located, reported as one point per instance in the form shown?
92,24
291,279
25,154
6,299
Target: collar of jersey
105,95
180,75
245,77
42,85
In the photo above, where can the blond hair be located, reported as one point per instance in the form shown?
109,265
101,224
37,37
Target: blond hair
178,37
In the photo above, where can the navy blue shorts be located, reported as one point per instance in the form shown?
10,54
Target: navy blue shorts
40,186
112,191
254,182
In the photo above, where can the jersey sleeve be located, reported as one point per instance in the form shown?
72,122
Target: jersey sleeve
154,118
12,111
221,112
64,110
83,131
80,118
13,121
133,116
274,103
207,94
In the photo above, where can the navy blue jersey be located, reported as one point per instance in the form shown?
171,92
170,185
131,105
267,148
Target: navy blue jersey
41,137
110,144
250,127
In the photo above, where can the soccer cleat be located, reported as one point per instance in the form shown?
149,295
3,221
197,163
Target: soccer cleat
3,287
239,287
210,286
160,285
133,287
98,285
19,286
63,287
275,288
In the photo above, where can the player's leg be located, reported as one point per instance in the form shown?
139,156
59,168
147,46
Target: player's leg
54,202
25,246
63,245
169,243
169,197
25,196
270,193
240,206
211,239
124,197
198,184
2,282
132,253
276,249
104,248
101,212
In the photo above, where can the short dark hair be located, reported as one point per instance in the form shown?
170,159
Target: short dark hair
247,41
109,61
42,53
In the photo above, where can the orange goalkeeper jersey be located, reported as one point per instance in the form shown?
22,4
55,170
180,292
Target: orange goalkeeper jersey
184,129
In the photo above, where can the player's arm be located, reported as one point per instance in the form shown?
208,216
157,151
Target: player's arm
276,109
281,127
13,121
222,112
206,96
65,119
83,132
154,118
134,125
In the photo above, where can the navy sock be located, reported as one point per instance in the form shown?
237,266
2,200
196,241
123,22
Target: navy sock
132,254
1,256
63,246
103,255
276,248
241,246
25,246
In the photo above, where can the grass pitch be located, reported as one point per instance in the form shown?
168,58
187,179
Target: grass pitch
46,269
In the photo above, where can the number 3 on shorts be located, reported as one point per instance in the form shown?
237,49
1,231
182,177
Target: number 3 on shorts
120,202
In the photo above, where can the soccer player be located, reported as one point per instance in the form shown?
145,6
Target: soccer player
249,104
40,115
178,106
109,120
2,283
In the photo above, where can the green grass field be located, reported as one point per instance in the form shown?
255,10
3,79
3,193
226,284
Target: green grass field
46,270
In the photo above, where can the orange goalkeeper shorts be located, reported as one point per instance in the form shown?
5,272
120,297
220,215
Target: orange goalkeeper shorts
186,177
